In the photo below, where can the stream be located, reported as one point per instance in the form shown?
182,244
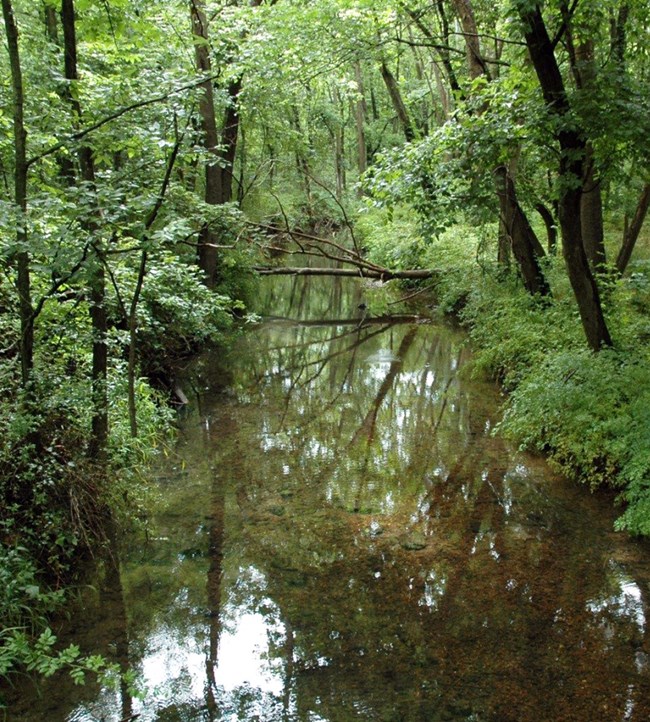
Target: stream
338,535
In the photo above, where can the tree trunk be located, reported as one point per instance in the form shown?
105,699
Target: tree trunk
618,34
551,228
591,206
591,215
208,257
525,246
21,258
573,151
51,25
302,158
382,275
360,113
441,47
398,102
633,229
475,62
338,136
229,137
513,223
97,282
442,94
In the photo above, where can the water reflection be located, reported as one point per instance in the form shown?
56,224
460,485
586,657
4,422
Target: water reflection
339,537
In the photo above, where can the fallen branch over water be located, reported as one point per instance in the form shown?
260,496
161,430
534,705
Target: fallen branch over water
381,275
363,321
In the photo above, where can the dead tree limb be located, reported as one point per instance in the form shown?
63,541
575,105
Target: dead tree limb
384,274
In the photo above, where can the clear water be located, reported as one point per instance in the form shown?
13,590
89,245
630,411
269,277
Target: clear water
338,536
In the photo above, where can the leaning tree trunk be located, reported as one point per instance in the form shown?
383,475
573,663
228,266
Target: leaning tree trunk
398,102
573,151
633,230
526,248
514,224
475,61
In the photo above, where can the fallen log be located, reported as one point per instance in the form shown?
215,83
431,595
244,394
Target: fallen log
383,275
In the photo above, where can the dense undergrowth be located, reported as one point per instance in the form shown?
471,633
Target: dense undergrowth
588,413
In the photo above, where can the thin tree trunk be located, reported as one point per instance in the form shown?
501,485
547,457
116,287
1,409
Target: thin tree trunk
21,259
591,215
633,229
208,257
360,113
97,281
302,160
51,25
591,205
442,94
514,224
337,132
441,47
229,137
142,270
551,227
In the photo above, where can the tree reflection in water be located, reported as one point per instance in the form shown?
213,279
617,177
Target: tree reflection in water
340,537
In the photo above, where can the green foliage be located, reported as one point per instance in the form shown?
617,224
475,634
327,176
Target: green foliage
178,316
590,413
26,642
391,237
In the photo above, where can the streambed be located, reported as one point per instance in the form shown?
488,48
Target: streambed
338,535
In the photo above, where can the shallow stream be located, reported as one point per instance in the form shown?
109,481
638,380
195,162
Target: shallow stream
338,535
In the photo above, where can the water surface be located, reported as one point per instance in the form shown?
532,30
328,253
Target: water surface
339,536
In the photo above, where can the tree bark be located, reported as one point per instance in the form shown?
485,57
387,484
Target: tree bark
633,229
591,206
21,258
51,25
573,151
360,113
208,256
476,64
398,102
97,282
229,137
551,228
591,214
526,247
514,224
